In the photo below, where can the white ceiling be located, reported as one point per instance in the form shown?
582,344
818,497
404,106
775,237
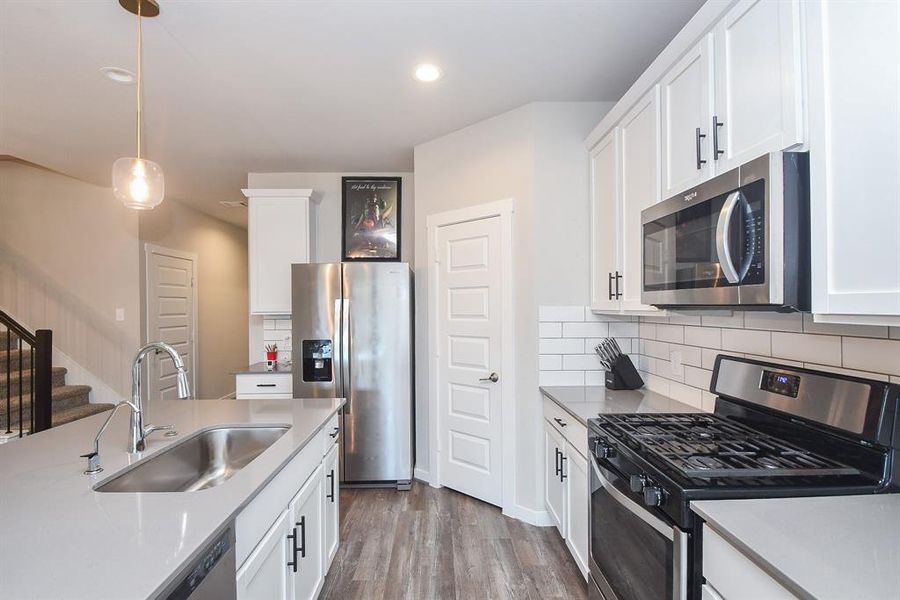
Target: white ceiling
238,86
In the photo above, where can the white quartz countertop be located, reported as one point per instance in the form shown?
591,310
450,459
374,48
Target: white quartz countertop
586,402
61,539
834,547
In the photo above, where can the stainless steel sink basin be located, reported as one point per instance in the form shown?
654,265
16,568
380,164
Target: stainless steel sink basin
203,460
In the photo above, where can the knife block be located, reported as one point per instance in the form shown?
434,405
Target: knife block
623,375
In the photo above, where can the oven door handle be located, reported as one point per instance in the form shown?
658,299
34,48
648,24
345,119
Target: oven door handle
659,525
723,232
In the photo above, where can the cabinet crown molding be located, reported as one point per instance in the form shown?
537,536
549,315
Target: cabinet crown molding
277,193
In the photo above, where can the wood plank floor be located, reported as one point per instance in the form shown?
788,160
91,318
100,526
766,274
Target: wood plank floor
436,543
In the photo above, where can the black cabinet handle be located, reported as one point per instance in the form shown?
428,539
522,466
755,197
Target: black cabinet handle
560,421
562,468
716,124
302,525
610,286
334,433
265,385
330,494
700,161
558,454
618,278
293,537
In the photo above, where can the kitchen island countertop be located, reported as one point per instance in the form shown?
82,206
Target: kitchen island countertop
61,539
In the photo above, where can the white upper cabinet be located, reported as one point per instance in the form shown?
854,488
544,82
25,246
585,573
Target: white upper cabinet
639,143
758,82
279,234
686,119
854,130
604,223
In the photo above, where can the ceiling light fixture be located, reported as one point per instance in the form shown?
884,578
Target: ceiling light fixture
118,75
427,72
136,181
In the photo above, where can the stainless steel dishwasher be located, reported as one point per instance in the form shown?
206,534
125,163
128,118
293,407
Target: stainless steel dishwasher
210,576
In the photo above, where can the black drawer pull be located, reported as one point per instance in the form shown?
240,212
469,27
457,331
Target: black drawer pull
266,385
560,421
334,433
302,525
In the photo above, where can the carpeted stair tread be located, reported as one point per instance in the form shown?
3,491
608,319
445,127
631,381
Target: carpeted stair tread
13,339
78,412
57,375
13,357
62,398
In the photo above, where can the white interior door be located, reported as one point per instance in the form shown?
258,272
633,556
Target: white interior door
468,313
170,318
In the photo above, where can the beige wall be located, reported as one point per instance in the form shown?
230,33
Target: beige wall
68,260
221,250
536,156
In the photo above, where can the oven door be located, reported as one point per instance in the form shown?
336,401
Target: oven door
634,555
706,247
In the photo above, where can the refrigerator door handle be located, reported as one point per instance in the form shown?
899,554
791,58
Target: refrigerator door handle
338,347
345,353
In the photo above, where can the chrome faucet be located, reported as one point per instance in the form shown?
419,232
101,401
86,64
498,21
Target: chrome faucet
139,431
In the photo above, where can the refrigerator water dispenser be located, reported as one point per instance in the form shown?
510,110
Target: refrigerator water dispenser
317,360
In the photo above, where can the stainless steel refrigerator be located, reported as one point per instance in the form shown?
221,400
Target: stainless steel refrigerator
352,338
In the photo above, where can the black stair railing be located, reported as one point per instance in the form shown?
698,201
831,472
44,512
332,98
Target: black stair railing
31,355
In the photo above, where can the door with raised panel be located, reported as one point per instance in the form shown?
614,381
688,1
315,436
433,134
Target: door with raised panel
306,522
686,98
469,382
265,573
554,486
639,151
331,522
758,100
604,223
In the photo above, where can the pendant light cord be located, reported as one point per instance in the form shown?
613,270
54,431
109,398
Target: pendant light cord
140,52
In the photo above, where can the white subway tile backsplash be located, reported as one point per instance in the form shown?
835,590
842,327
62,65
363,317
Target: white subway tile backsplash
561,378
624,329
851,372
686,394
735,319
550,362
655,349
698,378
684,319
595,378
283,324
810,326
561,313
821,349
268,324
707,337
708,400
561,346
710,354
648,330
690,355
773,321
670,333
585,330
866,354
550,330
581,362
747,340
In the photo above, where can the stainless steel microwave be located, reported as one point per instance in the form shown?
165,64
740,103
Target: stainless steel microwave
740,240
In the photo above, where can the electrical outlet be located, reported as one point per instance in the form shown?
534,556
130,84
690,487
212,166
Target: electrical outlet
120,314
675,363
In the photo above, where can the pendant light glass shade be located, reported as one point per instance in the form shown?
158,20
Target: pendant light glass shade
138,183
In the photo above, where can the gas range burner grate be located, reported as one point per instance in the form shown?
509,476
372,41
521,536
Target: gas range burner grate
707,446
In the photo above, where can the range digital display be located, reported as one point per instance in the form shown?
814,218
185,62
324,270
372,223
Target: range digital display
780,383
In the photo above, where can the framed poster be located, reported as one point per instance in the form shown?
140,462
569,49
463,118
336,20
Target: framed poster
370,214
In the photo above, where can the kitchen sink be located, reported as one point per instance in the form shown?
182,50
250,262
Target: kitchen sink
203,460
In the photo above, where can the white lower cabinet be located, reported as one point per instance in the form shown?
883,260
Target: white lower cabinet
290,559
566,492
732,575
306,512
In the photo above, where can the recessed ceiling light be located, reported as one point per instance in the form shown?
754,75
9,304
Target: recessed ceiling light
427,72
118,75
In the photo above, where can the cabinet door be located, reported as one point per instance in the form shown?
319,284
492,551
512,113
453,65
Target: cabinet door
278,236
757,81
331,525
306,517
604,223
265,573
639,151
554,488
577,511
854,49
687,108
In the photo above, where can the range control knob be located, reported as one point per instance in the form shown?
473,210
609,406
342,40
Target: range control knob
637,483
604,450
653,496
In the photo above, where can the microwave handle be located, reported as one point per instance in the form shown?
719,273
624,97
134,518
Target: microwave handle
723,231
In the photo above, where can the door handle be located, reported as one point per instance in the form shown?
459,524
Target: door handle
700,161
302,549
293,537
330,494
610,286
723,231
560,421
493,378
618,277
716,124
562,467
557,461
345,357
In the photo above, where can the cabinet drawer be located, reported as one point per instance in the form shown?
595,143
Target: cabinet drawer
733,574
330,433
263,383
571,429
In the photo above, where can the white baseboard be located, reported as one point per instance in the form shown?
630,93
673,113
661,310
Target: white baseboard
78,375
538,518
423,475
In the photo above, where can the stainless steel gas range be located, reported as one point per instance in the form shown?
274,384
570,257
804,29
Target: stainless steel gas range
777,431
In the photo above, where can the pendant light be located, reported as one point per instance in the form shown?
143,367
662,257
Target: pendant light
136,181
